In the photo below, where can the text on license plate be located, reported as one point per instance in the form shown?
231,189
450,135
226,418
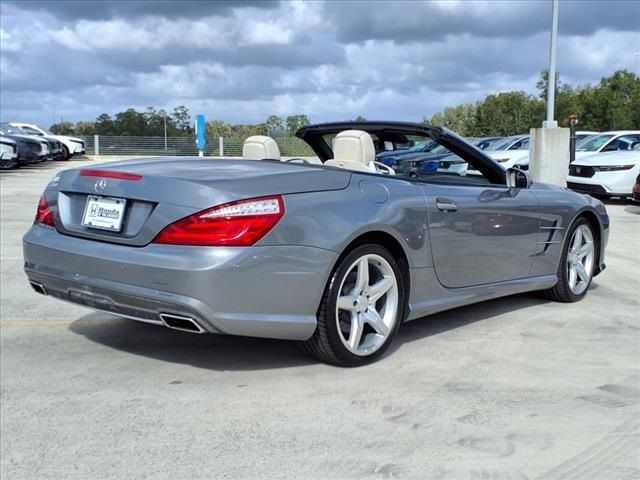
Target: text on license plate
104,212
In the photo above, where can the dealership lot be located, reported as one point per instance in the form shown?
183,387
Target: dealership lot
514,388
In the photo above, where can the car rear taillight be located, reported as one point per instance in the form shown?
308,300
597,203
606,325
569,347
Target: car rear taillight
44,216
235,224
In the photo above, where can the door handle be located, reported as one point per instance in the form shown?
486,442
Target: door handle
446,205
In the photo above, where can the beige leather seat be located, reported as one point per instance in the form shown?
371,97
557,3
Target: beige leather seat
260,147
353,150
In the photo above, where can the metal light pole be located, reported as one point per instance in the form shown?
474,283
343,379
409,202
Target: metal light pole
165,130
551,79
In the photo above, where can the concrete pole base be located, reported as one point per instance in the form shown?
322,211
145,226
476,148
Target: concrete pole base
549,155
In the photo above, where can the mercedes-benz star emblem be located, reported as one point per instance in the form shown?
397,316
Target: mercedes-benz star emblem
100,185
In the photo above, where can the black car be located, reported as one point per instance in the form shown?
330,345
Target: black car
29,148
55,150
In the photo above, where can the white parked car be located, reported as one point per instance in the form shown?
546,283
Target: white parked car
8,153
510,151
608,142
71,145
610,174
517,152
584,134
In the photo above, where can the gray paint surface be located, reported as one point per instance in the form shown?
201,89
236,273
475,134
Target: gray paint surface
512,388
488,246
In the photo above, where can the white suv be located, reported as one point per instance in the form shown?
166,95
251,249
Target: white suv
71,145
608,142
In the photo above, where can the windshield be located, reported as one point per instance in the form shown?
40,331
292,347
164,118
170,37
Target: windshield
487,143
418,146
9,130
439,150
503,144
592,143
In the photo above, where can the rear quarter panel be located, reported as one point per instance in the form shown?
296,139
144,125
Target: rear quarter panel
370,203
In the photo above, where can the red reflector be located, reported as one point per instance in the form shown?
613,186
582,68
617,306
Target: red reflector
110,174
44,215
235,224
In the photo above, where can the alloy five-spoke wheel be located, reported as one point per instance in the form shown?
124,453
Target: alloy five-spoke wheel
577,263
580,259
367,305
361,309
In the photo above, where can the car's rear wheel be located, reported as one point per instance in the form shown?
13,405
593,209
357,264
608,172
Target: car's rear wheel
361,308
577,264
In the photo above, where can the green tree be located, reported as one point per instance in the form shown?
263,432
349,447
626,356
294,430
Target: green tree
217,128
614,104
62,128
296,122
104,125
259,129
566,99
275,125
507,113
182,120
130,123
85,129
460,119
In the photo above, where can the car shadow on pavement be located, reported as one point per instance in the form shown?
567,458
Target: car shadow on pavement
214,352
220,352
462,316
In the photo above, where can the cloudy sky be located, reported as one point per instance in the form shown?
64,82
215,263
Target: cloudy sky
242,61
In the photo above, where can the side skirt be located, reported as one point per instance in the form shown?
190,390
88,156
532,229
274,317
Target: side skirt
428,296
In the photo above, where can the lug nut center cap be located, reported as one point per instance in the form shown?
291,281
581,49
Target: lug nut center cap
362,303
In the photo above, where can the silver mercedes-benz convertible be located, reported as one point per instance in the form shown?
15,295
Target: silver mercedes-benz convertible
335,251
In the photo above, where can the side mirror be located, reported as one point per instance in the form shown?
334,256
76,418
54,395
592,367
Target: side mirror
516,178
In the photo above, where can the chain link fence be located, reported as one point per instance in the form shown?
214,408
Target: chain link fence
106,145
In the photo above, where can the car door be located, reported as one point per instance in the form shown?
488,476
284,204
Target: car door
481,234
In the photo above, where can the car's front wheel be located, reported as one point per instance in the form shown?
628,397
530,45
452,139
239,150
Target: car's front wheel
577,264
65,153
361,308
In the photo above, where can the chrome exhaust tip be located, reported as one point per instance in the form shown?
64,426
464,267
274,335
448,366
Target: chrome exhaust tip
178,322
38,287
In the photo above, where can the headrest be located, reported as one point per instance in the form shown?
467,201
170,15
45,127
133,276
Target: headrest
260,147
354,146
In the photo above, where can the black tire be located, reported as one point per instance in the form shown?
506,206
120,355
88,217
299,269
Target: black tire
326,344
561,291
65,153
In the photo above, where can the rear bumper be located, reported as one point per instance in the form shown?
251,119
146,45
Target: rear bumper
270,291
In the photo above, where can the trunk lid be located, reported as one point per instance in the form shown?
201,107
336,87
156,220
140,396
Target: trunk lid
170,189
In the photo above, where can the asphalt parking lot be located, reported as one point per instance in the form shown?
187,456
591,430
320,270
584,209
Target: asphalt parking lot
517,388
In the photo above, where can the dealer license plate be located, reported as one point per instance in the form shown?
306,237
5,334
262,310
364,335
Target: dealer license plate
105,213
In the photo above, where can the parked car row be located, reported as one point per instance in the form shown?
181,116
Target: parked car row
24,144
606,163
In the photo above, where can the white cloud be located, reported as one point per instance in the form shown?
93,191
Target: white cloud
257,32
8,42
254,62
